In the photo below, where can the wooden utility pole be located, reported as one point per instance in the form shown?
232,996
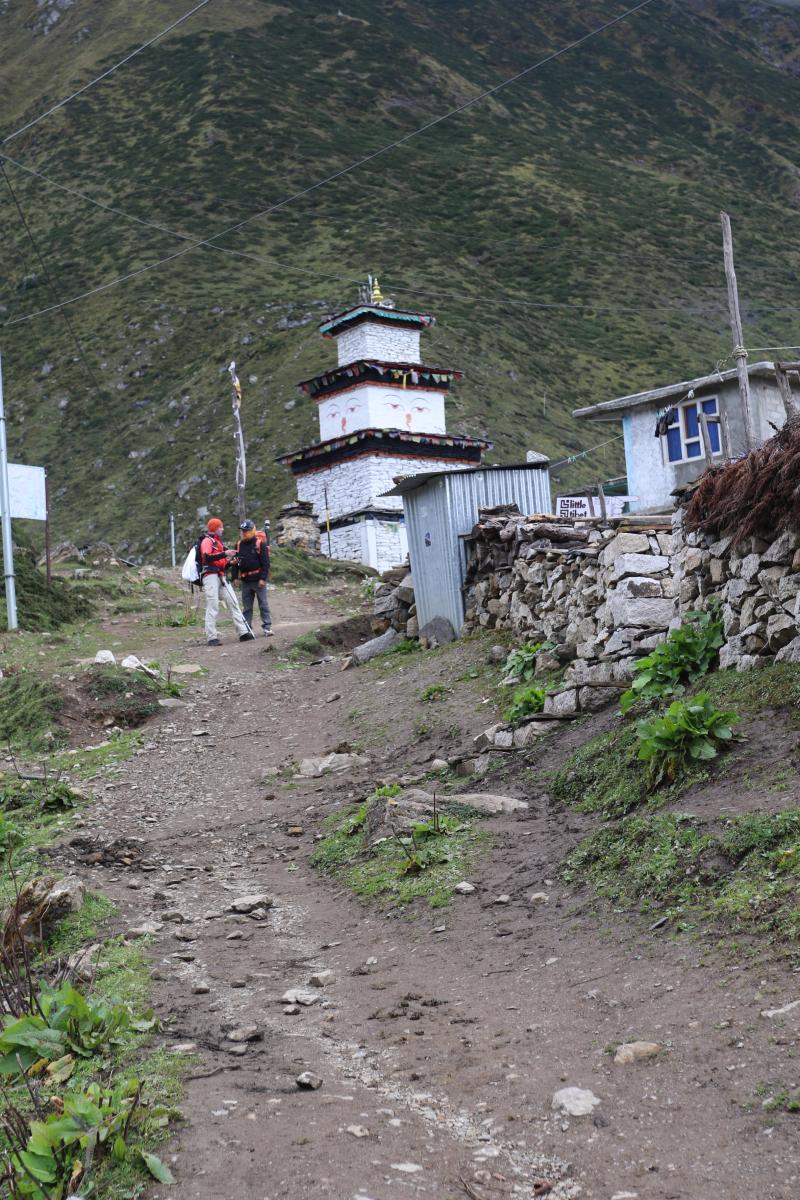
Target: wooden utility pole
739,352
790,402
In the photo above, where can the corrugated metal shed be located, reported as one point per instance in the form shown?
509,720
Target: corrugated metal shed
440,507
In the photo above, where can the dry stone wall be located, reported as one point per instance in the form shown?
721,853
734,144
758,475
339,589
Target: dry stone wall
605,593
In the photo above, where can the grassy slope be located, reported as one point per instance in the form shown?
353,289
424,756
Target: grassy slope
593,186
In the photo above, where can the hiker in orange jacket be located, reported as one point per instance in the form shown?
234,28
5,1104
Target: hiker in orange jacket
214,560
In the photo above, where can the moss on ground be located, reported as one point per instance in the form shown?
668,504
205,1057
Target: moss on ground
737,874
382,871
29,708
40,607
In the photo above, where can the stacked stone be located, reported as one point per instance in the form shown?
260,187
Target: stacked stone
394,604
757,585
603,594
298,527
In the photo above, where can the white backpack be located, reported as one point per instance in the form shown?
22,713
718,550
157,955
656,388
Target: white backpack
190,571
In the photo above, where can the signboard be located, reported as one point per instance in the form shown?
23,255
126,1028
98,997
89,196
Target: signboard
27,494
578,506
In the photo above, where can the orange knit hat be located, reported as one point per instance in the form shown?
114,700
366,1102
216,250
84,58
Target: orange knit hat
214,525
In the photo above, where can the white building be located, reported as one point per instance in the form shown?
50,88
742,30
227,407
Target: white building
663,438
381,415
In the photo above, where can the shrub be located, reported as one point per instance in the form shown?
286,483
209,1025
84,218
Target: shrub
686,655
526,700
433,692
689,731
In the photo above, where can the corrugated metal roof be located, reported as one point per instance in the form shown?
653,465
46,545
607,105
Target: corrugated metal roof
672,389
409,483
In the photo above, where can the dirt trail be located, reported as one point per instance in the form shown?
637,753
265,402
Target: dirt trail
439,1051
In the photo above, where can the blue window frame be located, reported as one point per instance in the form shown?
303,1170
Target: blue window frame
683,441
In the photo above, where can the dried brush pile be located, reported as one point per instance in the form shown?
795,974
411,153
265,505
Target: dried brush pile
759,494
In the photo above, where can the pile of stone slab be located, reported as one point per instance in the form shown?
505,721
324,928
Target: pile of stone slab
394,604
757,586
601,593
298,527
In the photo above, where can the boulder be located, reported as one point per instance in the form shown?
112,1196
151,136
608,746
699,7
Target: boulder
639,564
642,613
437,632
405,591
312,768
374,647
106,657
39,905
781,630
575,1102
561,703
782,549
630,1052
790,652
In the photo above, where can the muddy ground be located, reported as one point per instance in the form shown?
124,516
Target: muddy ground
444,1033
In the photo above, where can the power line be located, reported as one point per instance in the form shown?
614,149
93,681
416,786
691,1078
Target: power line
105,74
344,170
47,276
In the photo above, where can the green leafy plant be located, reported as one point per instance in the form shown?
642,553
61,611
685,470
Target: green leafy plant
52,1156
387,790
433,692
687,654
65,1022
525,702
521,663
689,731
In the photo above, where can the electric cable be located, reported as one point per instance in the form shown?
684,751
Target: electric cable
47,276
29,125
367,158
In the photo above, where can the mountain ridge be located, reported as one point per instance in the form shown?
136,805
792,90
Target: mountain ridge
594,187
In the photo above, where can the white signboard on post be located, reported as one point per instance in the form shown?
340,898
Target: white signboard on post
578,506
27,492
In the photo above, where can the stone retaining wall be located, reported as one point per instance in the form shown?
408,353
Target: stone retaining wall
605,593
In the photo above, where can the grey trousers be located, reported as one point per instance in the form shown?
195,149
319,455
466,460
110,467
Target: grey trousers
251,592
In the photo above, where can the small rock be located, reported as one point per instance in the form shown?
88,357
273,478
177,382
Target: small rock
464,888
201,989
246,904
146,929
308,1081
497,654
295,831
575,1102
504,899
200,733
538,898
105,656
238,983
440,764
247,1033
779,1012
321,979
299,996
187,669
184,1048
630,1052
291,1010
358,1131
407,1168
333,697
236,1048
236,936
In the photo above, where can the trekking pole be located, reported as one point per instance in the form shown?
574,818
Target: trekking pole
229,592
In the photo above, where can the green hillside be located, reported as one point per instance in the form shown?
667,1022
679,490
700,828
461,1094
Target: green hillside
565,232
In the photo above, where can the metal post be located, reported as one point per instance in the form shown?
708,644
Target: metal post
172,536
5,508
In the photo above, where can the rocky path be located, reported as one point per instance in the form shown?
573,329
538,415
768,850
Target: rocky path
439,1040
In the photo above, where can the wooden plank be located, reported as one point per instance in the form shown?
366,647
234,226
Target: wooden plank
702,421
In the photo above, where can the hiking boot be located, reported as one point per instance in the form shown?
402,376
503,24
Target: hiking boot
214,642
247,637
268,633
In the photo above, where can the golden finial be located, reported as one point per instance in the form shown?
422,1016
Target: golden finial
377,295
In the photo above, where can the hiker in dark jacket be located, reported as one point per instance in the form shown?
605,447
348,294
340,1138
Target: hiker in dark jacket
252,567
